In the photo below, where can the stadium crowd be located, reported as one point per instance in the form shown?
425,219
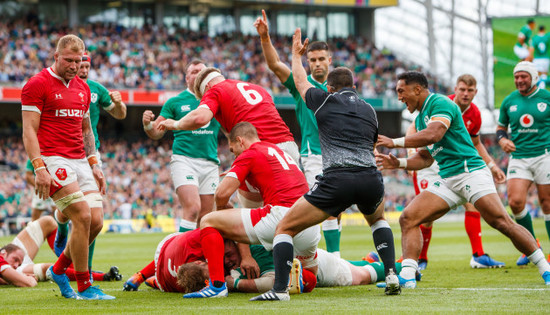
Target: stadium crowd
154,58
138,178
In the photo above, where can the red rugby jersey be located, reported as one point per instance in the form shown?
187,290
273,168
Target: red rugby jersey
176,251
62,107
471,117
3,264
233,101
271,171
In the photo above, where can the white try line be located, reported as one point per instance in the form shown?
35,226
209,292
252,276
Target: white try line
489,289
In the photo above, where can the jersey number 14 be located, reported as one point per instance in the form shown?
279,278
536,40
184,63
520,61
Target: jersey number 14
288,158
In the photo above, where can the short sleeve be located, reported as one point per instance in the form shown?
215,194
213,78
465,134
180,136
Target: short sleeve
315,98
444,112
33,95
503,119
167,110
242,165
211,100
475,127
104,98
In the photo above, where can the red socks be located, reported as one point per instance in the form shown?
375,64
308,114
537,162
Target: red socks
426,237
149,270
70,272
213,250
61,264
82,280
472,223
51,238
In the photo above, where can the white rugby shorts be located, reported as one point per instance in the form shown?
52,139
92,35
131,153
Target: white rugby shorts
535,169
521,52
465,187
263,232
197,172
66,171
542,64
333,271
313,166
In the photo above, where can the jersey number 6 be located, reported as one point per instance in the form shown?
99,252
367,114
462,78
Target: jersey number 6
251,96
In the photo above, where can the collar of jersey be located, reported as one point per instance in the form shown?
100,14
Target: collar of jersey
58,77
426,101
317,82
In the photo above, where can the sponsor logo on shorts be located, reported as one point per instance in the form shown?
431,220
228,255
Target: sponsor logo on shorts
190,177
437,184
468,188
541,107
61,173
214,185
513,171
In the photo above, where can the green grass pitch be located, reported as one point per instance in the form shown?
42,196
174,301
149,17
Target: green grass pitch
448,285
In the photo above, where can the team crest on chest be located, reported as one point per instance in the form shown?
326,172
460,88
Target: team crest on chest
185,108
541,106
94,97
81,97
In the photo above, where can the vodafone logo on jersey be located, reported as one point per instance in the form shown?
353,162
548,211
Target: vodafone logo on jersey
61,173
526,120
68,112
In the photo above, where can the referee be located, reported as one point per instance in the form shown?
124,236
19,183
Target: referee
348,131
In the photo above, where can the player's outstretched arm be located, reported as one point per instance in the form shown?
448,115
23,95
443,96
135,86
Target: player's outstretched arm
151,126
274,63
300,75
418,161
11,276
432,134
192,121
119,110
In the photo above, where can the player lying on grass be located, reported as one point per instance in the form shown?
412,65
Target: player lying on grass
29,242
272,172
333,272
173,251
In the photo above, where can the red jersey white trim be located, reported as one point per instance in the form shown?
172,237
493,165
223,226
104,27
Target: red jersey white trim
62,107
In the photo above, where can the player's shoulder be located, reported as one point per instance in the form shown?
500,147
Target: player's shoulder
511,97
439,100
474,109
544,93
39,79
95,85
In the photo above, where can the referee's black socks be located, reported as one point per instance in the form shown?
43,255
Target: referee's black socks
283,255
383,241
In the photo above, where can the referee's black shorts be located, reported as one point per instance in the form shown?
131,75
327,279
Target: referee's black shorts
339,188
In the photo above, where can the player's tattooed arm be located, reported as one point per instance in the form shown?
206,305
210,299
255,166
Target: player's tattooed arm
88,136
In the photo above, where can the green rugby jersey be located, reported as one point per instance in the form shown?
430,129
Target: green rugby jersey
199,144
540,45
100,97
306,119
529,120
527,32
455,153
263,257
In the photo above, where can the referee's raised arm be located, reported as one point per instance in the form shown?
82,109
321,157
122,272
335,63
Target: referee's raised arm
298,71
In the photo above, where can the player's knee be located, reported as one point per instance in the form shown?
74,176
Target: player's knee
516,203
48,224
82,219
406,221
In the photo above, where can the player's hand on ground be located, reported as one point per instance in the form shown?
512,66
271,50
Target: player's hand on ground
250,268
168,124
116,97
384,141
386,162
148,117
42,182
99,178
261,26
498,175
297,47
507,145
